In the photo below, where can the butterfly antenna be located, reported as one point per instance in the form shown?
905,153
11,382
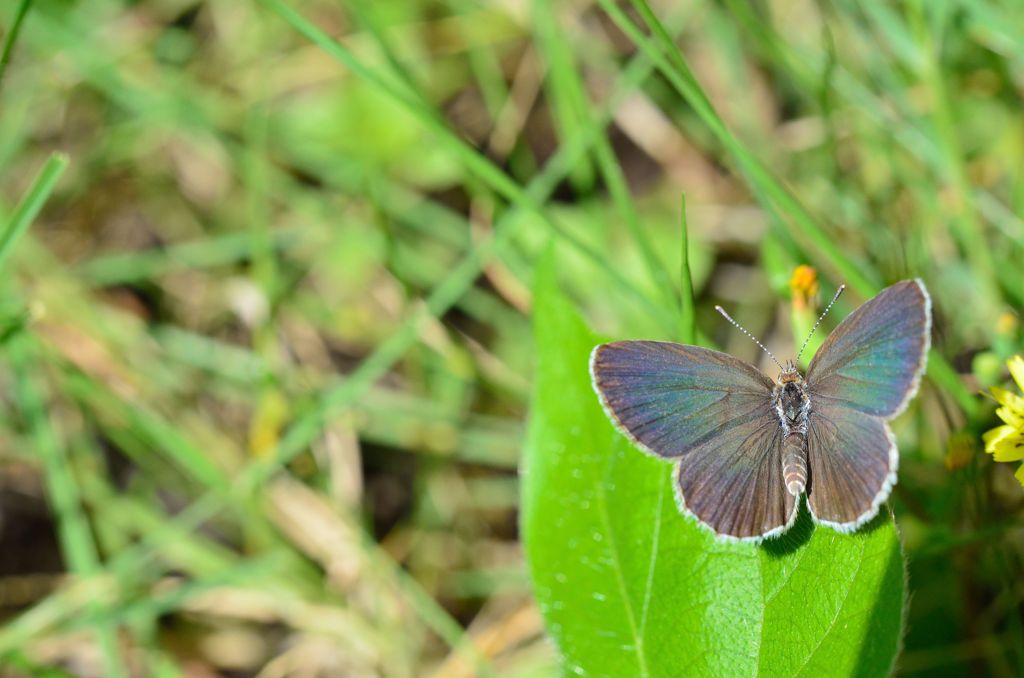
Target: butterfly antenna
752,337
818,322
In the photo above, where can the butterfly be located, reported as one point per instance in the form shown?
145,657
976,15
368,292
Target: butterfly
748,447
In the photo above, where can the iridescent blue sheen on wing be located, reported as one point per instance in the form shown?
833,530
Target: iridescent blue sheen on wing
852,458
873,361
672,398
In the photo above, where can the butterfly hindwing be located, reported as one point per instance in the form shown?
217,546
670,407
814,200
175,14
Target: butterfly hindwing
852,458
733,483
714,413
872,362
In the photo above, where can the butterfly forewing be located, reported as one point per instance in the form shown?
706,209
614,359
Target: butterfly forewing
671,398
873,360
714,412
852,458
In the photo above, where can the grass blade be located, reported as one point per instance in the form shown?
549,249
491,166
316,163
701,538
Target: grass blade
687,317
77,545
31,203
12,36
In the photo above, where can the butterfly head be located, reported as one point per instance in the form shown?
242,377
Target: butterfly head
789,373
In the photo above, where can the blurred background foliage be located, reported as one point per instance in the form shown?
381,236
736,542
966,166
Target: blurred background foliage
266,351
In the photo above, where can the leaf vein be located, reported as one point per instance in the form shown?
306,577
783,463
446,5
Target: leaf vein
652,561
839,611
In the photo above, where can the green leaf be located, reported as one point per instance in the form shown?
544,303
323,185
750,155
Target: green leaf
629,587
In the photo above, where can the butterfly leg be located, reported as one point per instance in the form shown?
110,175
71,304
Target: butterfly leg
794,463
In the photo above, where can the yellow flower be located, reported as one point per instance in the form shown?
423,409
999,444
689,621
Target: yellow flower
1006,442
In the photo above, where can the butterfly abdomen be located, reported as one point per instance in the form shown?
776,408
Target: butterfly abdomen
794,463
793,408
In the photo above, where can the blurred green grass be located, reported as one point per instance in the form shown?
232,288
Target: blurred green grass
266,348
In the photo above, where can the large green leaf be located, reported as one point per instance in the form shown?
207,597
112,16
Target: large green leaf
629,587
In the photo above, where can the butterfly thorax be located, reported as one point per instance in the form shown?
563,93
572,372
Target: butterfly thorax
791,403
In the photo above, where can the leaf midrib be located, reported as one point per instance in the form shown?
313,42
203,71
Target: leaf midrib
652,560
638,641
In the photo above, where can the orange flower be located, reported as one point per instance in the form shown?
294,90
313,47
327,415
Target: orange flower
804,286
